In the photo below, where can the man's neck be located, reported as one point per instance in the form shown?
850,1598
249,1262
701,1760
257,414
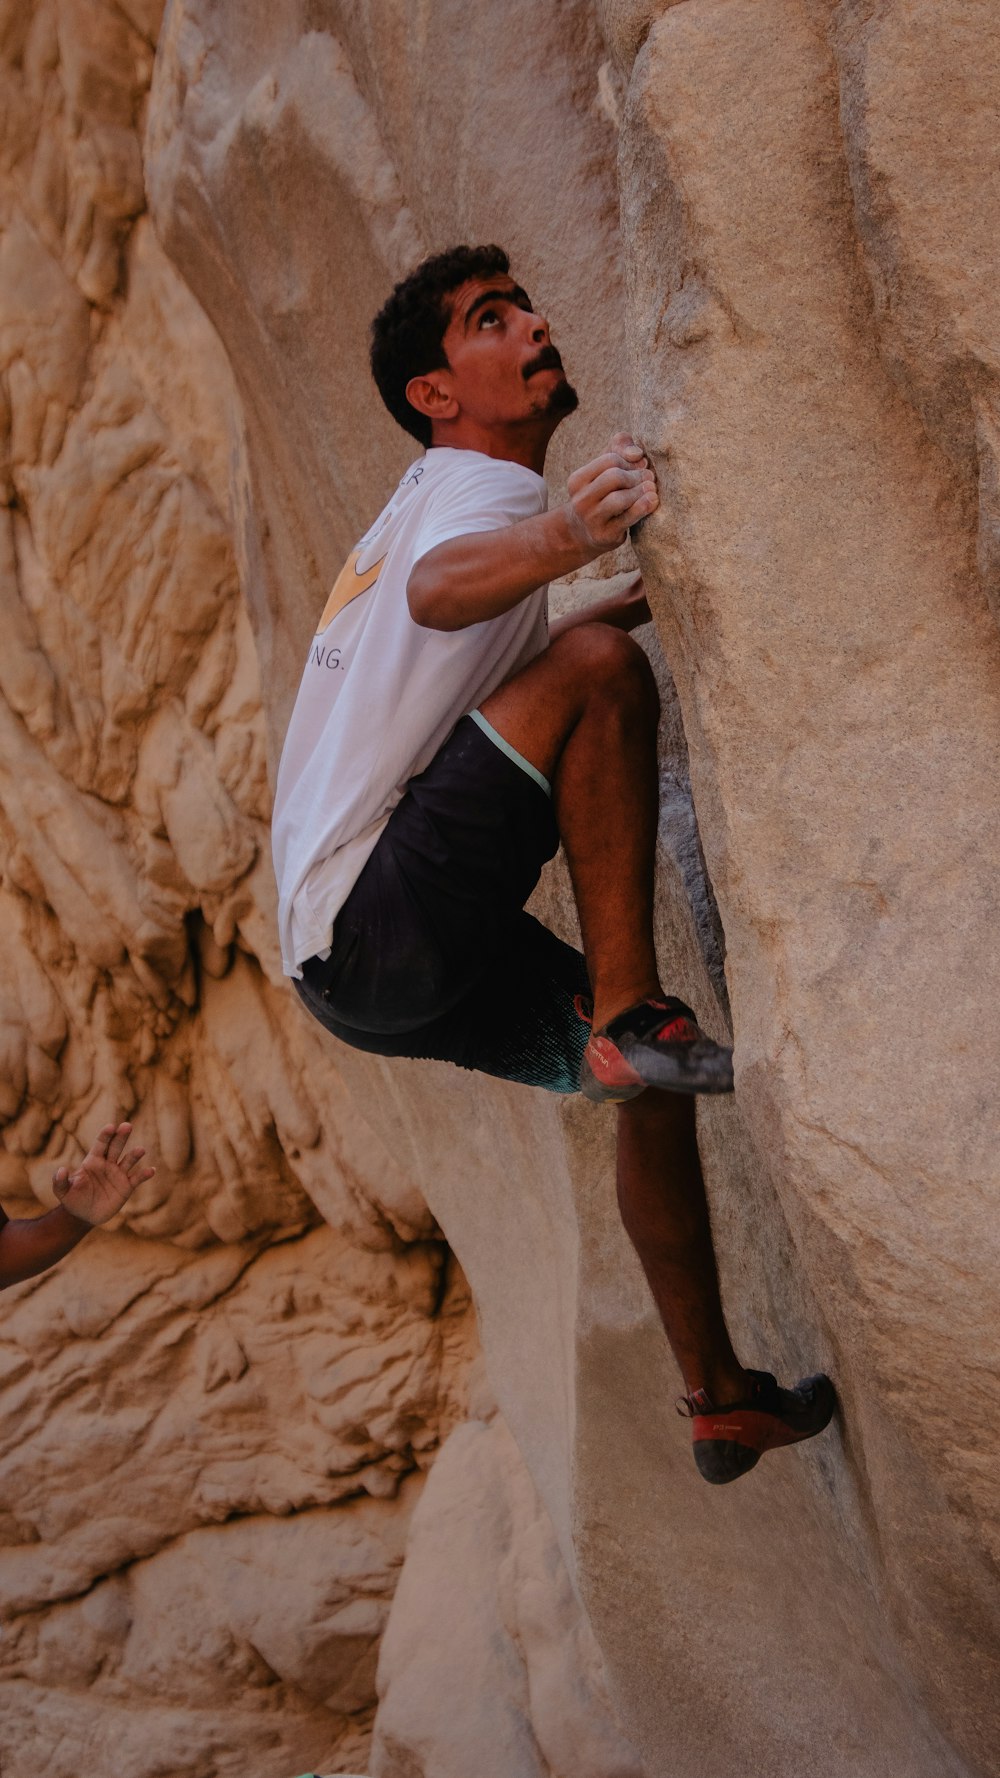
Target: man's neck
524,443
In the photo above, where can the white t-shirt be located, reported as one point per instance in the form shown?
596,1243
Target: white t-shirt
379,694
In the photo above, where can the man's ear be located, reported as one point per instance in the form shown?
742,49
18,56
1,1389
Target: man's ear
431,397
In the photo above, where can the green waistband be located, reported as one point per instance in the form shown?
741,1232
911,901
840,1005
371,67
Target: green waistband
511,752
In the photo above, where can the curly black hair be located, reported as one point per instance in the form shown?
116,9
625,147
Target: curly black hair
408,331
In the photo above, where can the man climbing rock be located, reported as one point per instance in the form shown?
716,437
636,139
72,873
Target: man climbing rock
444,741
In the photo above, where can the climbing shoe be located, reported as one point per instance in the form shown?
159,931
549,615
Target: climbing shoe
655,1044
728,1441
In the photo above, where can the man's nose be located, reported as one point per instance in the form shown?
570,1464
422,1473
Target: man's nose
539,330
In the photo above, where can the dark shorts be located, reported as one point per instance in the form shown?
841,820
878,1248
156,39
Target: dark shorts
433,955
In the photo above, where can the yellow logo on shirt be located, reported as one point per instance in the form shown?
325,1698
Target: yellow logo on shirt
350,583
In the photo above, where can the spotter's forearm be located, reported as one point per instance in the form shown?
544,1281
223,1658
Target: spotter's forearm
30,1245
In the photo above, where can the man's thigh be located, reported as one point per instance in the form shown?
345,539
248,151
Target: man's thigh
537,709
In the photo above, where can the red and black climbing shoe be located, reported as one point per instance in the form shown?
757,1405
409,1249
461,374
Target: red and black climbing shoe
658,1043
728,1441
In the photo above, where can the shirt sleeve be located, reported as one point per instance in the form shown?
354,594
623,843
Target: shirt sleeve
480,501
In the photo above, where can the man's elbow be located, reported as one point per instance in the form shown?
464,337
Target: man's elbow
428,603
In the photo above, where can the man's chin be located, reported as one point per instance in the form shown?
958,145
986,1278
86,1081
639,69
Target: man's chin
563,399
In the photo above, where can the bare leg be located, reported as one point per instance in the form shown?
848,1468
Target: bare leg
661,1195
585,714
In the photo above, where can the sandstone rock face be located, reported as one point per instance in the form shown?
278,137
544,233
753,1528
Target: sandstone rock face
827,402
763,236
222,1356
214,1419
504,1675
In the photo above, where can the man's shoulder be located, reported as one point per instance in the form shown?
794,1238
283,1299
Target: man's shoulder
447,482
446,464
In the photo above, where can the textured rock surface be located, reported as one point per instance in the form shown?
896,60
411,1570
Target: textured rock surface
218,1358
763,234
839,669
213,1420
505,1676
804,341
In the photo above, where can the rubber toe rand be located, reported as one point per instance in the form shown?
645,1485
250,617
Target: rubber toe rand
730,1441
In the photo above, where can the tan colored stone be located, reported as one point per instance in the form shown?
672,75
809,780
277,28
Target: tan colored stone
810,563
225,1403
253,1641
504,1676
838,671
199,1427
219,1357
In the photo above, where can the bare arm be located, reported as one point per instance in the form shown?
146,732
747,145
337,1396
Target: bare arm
471,579
31,1246
96,1191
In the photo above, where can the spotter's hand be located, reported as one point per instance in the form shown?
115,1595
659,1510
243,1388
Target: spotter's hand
611,494
105,1178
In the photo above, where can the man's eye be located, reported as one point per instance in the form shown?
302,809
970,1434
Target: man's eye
488,315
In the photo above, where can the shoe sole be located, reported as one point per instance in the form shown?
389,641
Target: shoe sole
670,1078
720,1463
684,1070
721,1460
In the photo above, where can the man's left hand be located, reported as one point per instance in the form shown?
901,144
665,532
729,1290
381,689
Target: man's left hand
105,1178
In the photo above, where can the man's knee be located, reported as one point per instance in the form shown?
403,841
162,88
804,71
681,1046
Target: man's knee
607,660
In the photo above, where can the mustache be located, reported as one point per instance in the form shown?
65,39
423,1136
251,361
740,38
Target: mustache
547,359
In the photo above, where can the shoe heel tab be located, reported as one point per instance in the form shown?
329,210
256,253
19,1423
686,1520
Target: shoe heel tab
693,1405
